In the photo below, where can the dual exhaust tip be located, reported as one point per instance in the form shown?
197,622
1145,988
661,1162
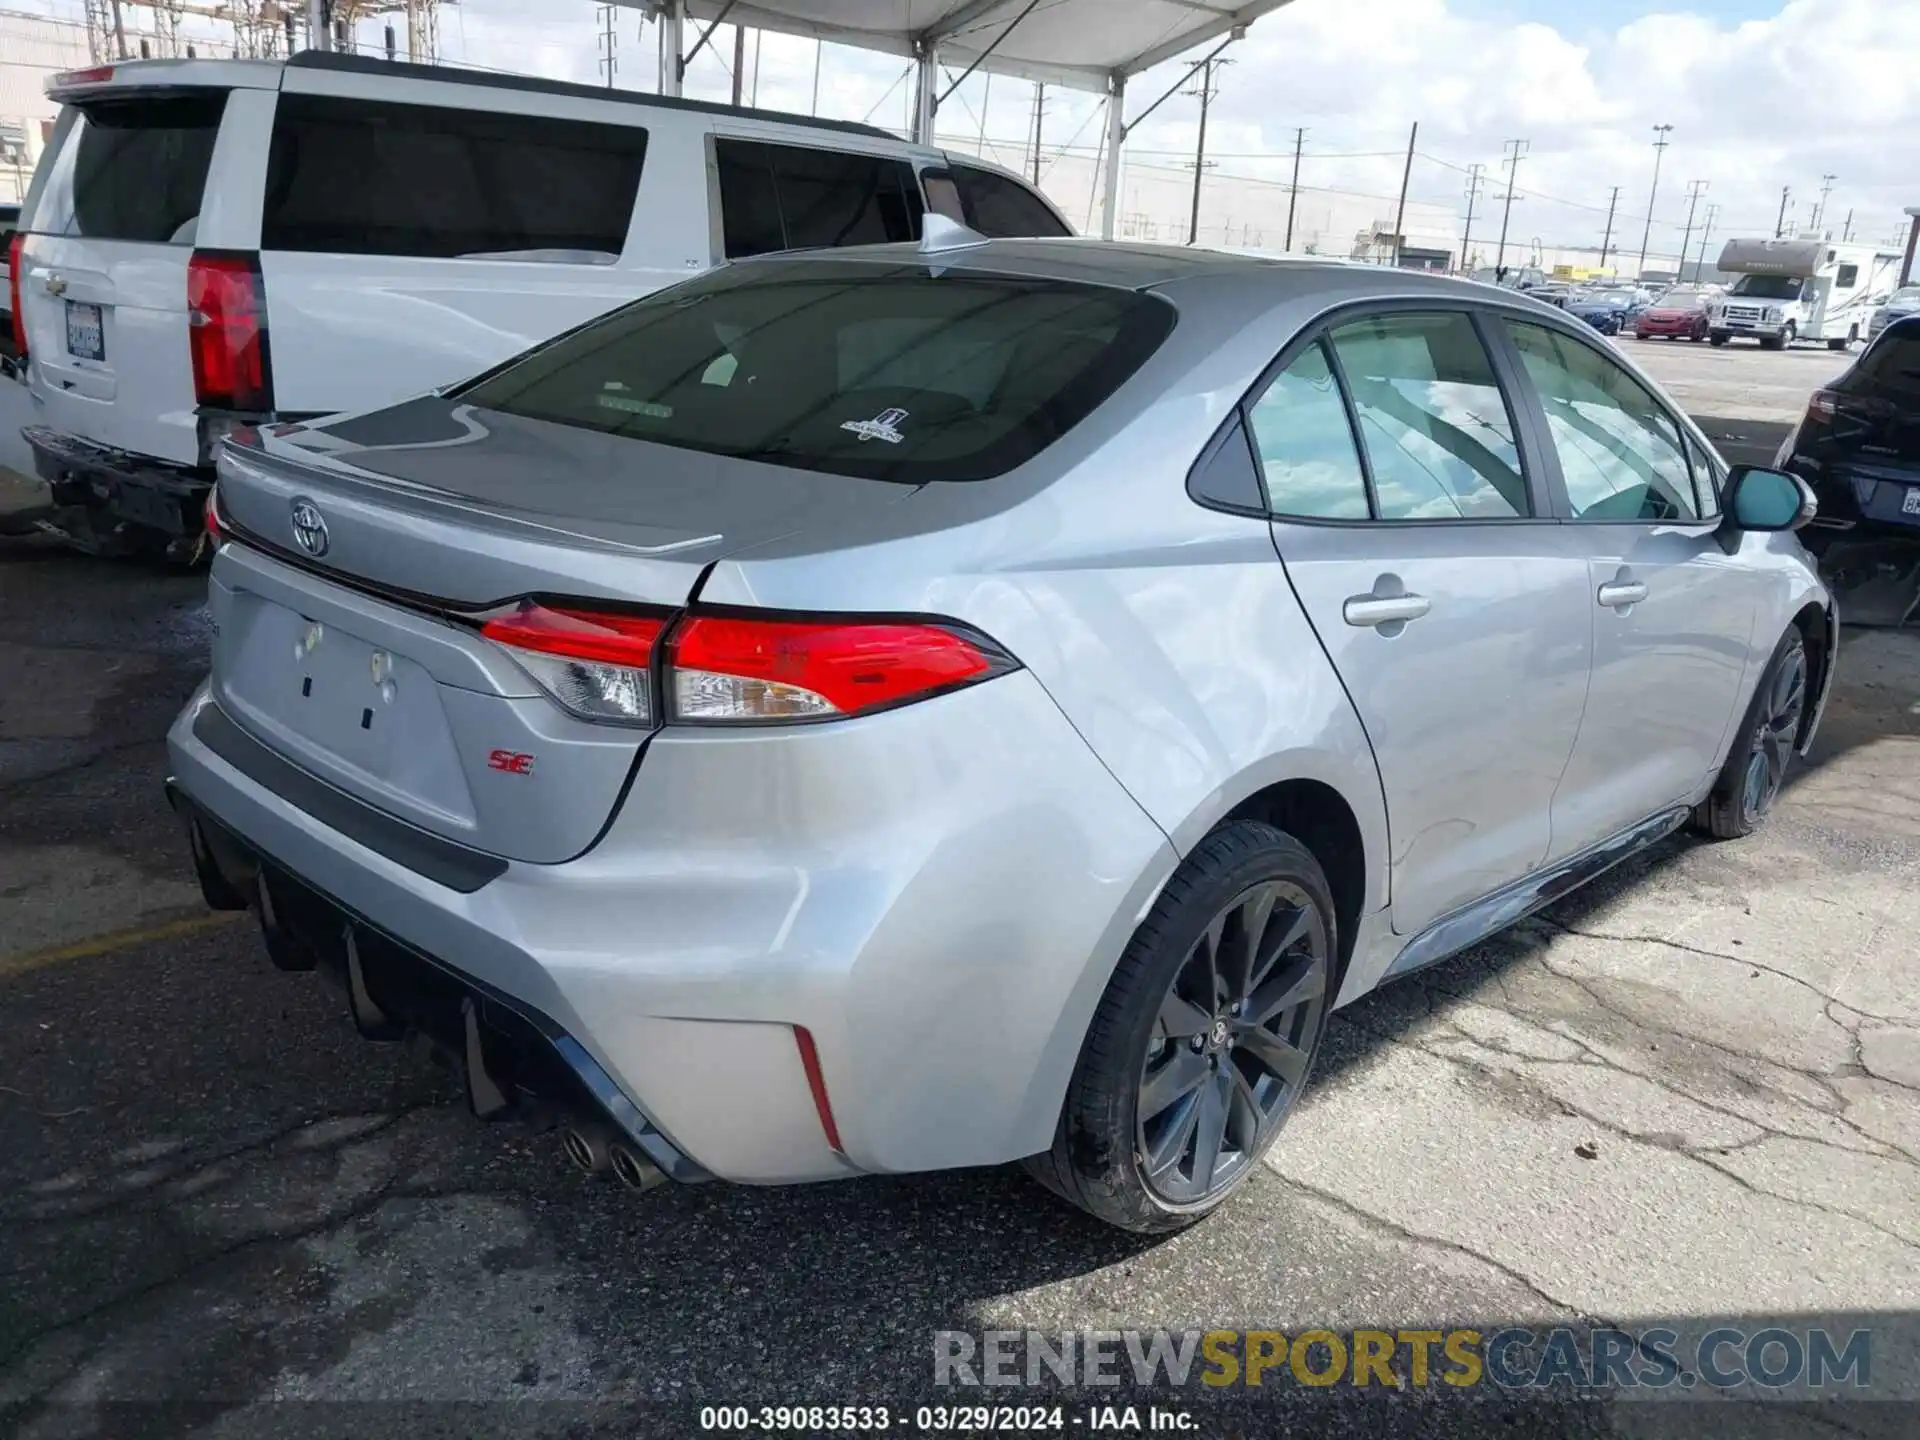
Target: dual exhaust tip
595,1149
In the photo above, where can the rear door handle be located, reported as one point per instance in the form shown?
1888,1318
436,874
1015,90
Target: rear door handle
1618,594
1372,610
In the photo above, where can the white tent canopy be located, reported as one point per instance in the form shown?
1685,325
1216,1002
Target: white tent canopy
1084,44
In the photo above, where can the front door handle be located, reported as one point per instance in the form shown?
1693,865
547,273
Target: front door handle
1618,594
1377,610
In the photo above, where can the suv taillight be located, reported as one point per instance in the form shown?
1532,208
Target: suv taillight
737,668
227,331
16,242
1821,406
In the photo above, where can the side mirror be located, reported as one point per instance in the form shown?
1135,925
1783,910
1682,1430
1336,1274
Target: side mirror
1768,500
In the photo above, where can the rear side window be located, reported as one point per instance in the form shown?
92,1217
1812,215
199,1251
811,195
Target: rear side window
1305,443
1890,369
1001,207
1847,277
352,177
795,197
886,372
1438,435
140,166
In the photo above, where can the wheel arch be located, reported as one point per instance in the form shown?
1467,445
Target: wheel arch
1319,817
1819,626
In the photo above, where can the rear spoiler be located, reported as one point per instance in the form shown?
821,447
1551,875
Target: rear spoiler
139,75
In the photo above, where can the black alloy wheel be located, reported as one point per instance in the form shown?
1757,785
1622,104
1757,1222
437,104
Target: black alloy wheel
1232,1042
1783,702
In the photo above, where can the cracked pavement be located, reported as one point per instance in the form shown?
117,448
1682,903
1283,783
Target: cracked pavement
1689,1095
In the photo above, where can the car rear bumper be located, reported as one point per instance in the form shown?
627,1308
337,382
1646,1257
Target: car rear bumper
1874,497
111,488
936,895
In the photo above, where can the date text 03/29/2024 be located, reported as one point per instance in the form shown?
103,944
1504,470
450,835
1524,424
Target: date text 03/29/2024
944,1419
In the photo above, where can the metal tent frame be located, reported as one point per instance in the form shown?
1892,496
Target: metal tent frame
1091,45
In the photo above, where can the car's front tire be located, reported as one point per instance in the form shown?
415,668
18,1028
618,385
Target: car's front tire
1204,1038
1756,767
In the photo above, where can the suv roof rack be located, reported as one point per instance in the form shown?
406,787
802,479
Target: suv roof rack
368,65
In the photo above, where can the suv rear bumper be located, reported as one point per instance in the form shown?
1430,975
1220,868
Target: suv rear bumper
98,492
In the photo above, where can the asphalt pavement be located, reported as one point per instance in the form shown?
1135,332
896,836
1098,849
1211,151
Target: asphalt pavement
1686,1098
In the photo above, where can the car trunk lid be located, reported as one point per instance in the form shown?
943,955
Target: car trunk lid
374,546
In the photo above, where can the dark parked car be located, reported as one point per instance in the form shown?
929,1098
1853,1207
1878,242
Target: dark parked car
1859,444
1608,311
1679,314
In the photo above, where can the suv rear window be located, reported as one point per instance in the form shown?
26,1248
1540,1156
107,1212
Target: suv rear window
140,166
882,371
356,177
1890,369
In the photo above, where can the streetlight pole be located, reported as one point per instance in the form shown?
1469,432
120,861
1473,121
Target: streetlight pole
1659,152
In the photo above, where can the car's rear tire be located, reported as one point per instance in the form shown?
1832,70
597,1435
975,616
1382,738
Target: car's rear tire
1762,749
1204,1038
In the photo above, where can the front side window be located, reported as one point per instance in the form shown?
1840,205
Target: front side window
1003,208
359,177
1438,434
1304,441
888,372
1620,452
795,197
1709,475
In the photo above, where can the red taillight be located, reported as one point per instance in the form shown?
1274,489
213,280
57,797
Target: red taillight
16,244
227,331
216,531
595,664
1821,406
817,1083
68,79
725,668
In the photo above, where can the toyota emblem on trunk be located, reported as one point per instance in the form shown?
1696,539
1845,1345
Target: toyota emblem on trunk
309,529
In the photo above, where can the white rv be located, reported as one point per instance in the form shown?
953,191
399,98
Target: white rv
1808,289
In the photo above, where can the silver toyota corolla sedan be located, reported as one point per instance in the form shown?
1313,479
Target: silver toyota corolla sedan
906,708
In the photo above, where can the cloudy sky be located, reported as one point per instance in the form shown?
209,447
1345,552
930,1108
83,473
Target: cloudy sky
1761,94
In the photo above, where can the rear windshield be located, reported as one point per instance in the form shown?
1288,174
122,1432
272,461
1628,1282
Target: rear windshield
884,371
139,167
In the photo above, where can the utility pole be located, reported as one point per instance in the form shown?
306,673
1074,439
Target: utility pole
1846,231
1206,93
1400,212
607,41
1826,189
1713,213
739,59
1780,225
1293,194
1518,149
1606,240
1659,153
1039,109
1695,189
1476,175
814,107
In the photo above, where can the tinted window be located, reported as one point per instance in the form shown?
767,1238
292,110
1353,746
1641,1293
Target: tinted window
140,166
352,177
793,197
998,206
1890,370
1847,277
1438,436
887,372
1305,443
1620,452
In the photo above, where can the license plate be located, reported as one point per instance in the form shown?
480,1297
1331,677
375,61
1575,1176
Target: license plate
86,340
1911,504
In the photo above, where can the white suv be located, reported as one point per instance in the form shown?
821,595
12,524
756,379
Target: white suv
212,243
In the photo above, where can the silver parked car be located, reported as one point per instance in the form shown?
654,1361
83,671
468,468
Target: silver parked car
907,708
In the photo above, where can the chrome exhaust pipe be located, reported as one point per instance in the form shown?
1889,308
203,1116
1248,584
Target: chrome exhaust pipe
588,1147
634,1170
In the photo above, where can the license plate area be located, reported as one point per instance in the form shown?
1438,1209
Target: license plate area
86,334
1910,504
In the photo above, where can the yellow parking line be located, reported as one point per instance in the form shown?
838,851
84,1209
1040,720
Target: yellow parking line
116,940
